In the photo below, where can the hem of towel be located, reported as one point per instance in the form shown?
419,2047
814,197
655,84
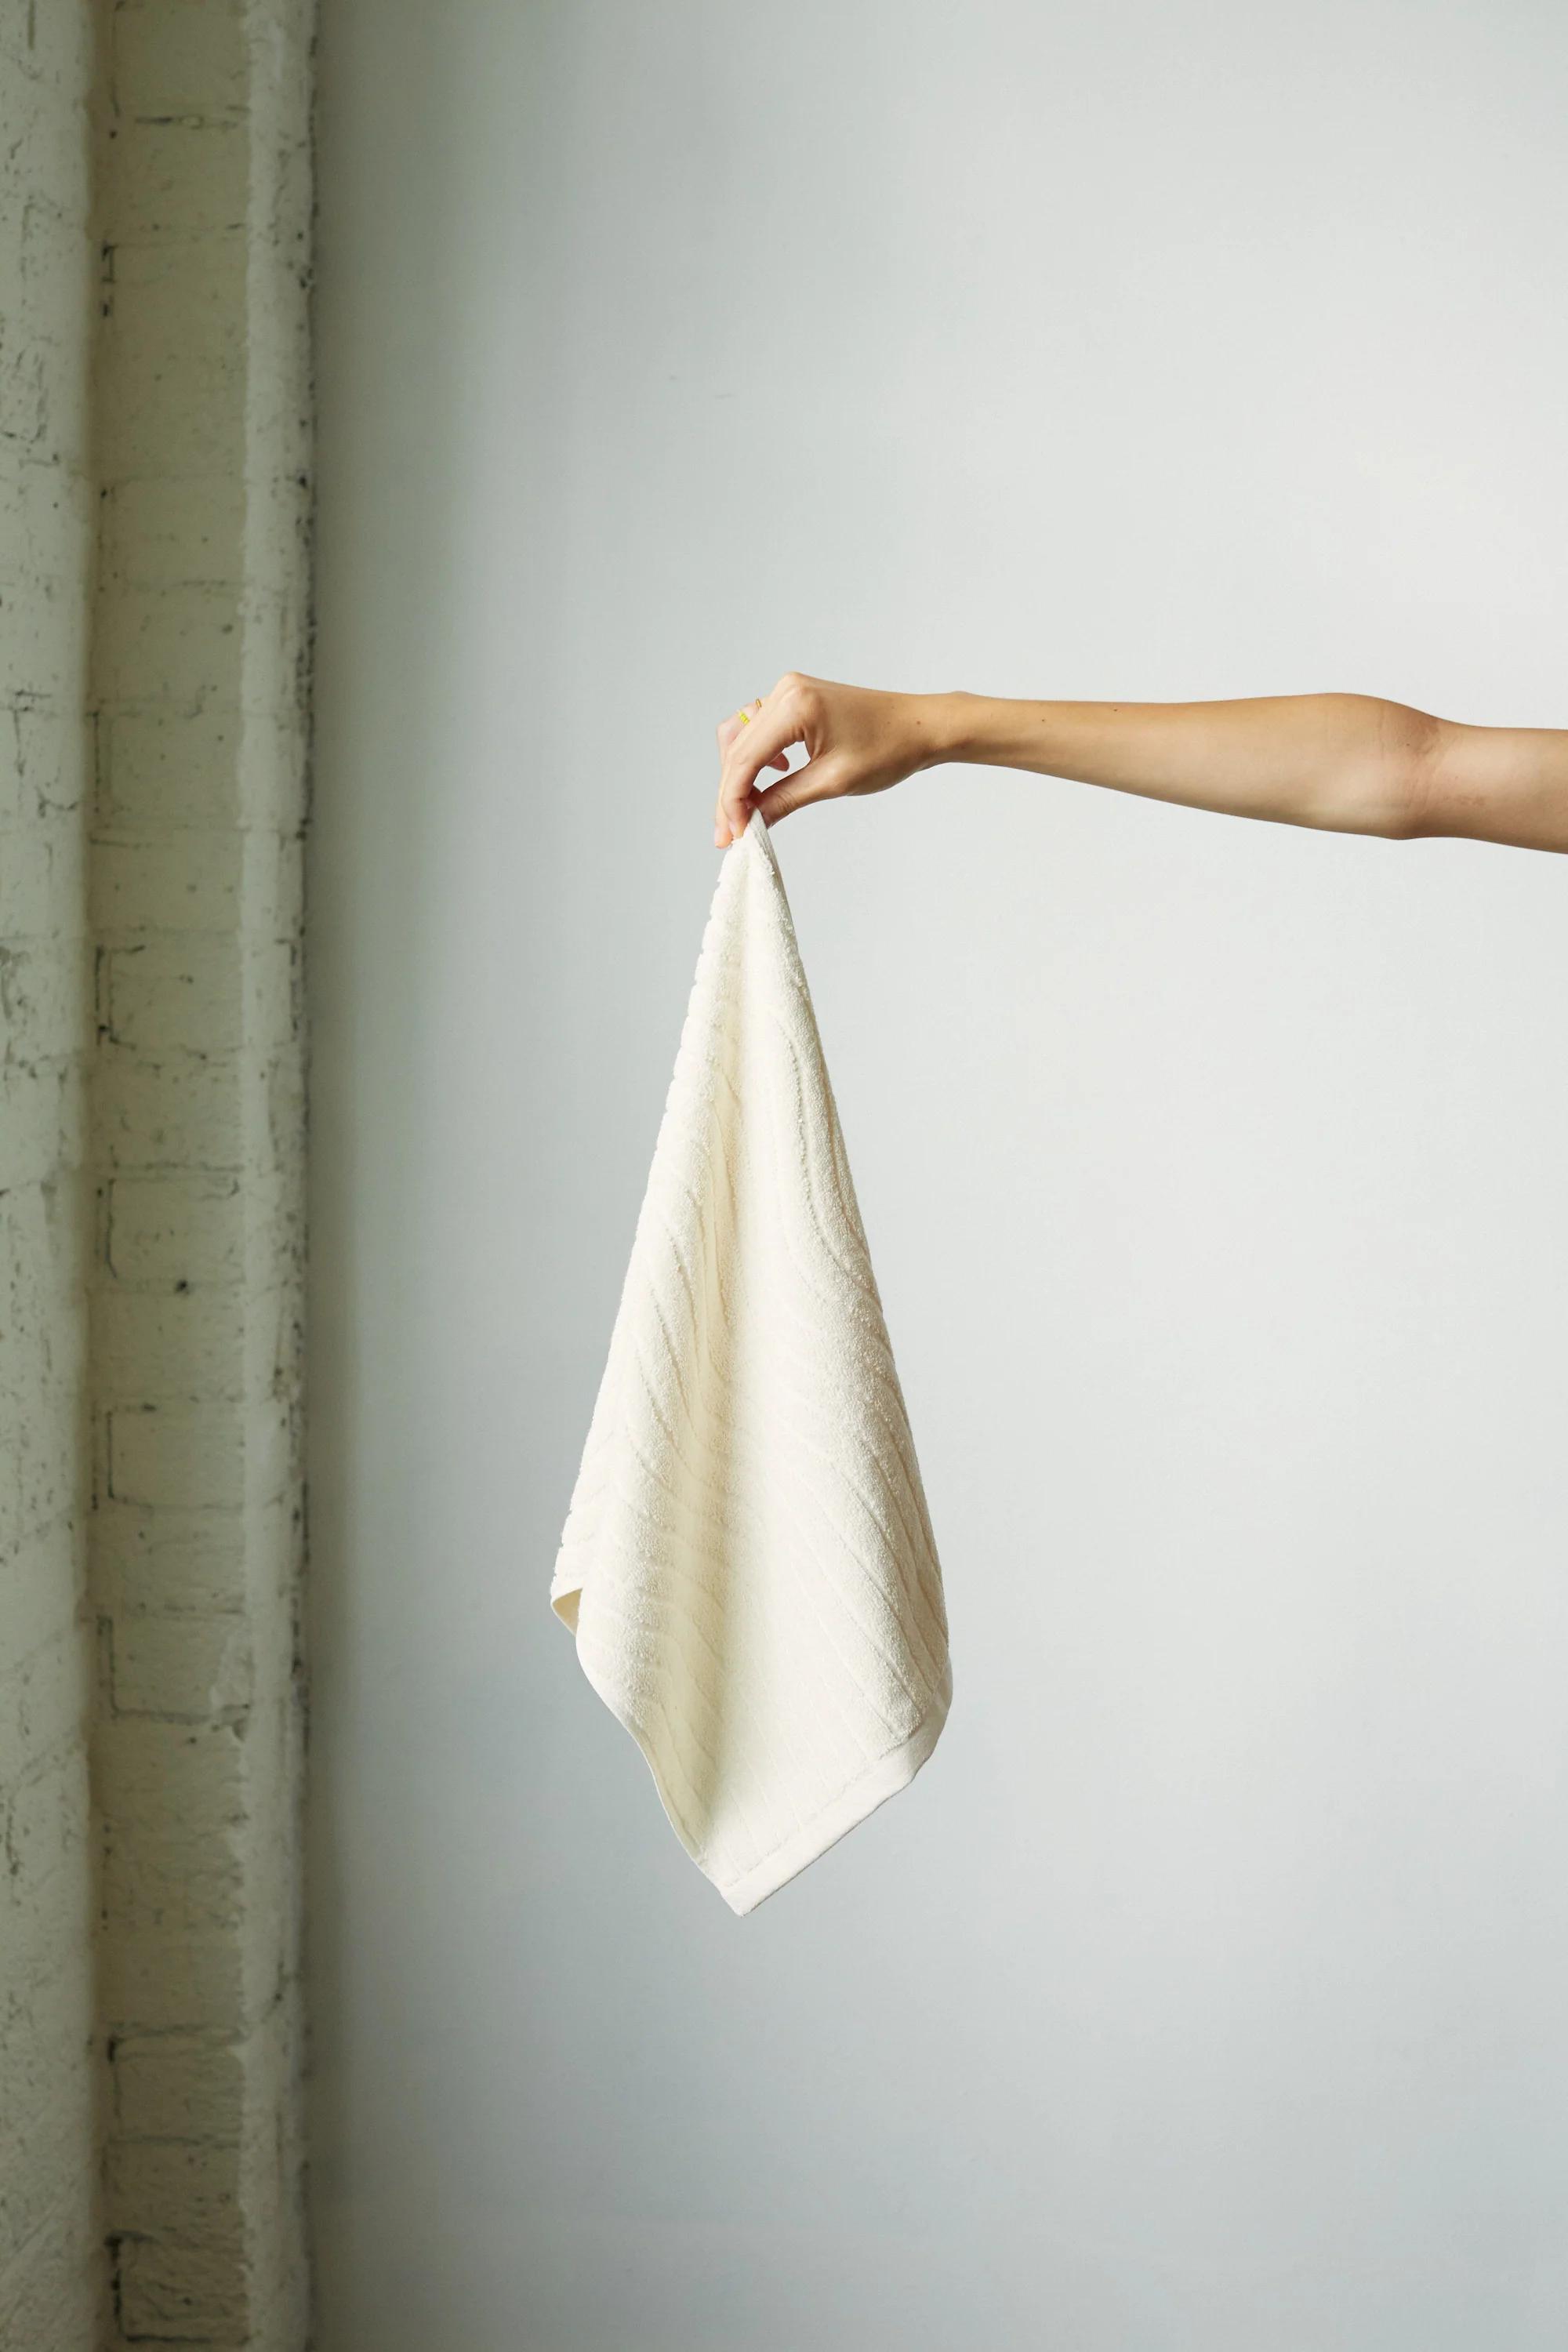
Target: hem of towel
869,1789
881,1778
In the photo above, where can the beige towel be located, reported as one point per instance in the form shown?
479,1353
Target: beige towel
748,1565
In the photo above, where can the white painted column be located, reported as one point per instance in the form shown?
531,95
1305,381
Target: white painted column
200,677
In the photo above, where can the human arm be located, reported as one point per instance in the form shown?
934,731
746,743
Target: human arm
1344,762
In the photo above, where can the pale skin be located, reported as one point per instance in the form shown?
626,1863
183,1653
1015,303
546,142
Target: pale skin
1338,762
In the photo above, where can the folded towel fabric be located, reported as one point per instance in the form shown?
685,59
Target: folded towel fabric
747,1564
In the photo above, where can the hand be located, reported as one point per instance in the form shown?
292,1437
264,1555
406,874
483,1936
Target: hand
855,741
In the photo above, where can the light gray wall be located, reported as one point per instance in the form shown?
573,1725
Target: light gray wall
1205,1992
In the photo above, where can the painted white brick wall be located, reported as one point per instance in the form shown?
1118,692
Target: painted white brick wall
154,199
199,674
52,2267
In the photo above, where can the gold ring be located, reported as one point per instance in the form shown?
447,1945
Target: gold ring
744,717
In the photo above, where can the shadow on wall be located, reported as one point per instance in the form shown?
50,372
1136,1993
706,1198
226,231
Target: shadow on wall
390,477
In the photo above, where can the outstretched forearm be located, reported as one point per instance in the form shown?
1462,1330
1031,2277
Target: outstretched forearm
1344,762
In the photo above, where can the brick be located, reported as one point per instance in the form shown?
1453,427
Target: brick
43,642
173,360
275,897
177,176
182,646
24,395
27,902
47,515
279,422
58,265
285,1106
40,1468
183,995
273,1013
181,1457
43,1922
46,1829
200,1456
42,1261
159,1780
276,652
177,533
62,1372
274,770
187,1667
44,1126
187,1882
153,1110
178,1228
58,1230
161,1347
52,755
46,155
234,883
274,1341
277,521
38,2166
54,47
43,1706
45,2046
149,2180
194,882
157,1978
43,1586
51,2297
160,1974
43,1364
172,2289
206,1562
179,58
201,993
197,2086
46,997
143,1560
161,770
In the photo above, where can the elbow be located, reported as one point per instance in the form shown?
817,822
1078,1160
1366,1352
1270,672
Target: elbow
1402,792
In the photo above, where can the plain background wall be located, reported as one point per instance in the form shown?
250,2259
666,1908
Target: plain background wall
1206,1991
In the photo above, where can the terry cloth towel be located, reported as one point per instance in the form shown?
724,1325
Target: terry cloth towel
747,1564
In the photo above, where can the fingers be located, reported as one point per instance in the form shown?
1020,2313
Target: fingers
728,729
748,750
817,781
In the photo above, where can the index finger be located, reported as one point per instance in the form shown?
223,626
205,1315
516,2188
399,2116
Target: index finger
752,748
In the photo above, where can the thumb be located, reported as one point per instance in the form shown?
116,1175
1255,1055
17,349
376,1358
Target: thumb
816,781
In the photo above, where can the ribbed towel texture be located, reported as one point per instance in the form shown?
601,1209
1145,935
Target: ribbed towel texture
747,1564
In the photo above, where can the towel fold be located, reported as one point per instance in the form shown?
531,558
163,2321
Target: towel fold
747,1564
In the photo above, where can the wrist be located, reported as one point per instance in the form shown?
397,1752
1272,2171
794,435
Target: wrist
944,727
